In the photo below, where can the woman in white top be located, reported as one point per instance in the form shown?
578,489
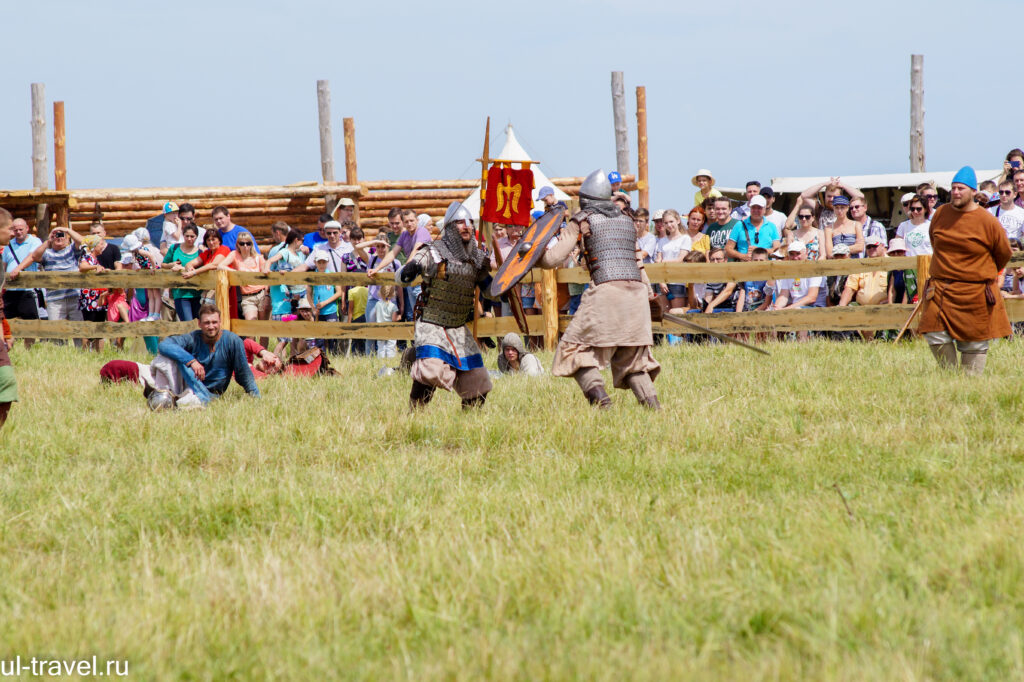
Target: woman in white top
673,250
914,232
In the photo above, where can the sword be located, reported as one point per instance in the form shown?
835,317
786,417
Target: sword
711,332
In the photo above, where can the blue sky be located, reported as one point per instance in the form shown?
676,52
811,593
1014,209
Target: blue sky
214,93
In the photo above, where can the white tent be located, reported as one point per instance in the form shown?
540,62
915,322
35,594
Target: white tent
513,151
942,179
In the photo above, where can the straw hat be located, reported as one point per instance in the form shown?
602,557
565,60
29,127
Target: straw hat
702,171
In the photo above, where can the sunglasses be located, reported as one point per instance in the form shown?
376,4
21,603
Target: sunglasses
1006,192
245,243
931,196
332,232
805,217
916,209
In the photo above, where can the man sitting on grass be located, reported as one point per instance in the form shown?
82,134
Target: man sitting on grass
199,365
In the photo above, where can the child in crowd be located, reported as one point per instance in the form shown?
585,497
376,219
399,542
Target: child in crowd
356,314
324,297
386,310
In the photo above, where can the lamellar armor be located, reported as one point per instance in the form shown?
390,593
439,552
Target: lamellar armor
448,296
610,248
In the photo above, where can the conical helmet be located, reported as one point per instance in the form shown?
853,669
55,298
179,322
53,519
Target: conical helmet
161,399
456,211
596,186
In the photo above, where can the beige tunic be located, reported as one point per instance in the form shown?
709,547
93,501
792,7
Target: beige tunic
611,315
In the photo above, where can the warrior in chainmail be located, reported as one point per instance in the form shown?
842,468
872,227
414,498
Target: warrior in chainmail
446,354
613,323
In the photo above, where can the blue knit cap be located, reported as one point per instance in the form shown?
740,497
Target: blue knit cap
967,176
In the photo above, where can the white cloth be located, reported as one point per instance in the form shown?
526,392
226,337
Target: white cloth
916,237
799,287
648,244
777,218
1012,220
671,249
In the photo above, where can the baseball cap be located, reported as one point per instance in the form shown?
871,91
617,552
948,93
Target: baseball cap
874,240
614,177
796,245
897,244
320,254
303,305
332,225
840,201
345,201
907,197
759,200
659,214
840,250
767,192
170,207
545,191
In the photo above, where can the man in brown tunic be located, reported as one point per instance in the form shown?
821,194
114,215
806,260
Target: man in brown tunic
963,308
613,323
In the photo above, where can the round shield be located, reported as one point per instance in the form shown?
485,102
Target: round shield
527,251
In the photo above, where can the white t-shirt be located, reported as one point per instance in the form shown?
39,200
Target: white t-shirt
799,287
919,242
335,264
777,218
1012,220
648,244
172,234
670,250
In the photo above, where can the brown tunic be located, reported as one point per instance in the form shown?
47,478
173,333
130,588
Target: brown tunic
611,326
970,248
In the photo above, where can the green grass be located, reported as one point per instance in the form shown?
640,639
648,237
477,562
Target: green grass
323,533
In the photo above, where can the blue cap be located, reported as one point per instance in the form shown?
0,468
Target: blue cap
840,201
545,191
614,177
536,214
170,207
967,176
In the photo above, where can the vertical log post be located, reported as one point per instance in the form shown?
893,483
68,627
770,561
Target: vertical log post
60,169
621,133
39,170
351,174
641,147
549,307
323,107
917,113
222,295
924,264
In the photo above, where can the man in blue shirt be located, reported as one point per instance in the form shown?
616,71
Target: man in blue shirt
21,304
753,232
317,236
229,232
198,366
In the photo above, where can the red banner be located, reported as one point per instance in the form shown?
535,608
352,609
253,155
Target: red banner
509,196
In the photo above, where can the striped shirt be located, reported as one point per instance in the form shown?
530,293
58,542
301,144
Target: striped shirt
65,260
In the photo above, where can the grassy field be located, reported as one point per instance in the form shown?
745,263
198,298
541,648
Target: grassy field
323,533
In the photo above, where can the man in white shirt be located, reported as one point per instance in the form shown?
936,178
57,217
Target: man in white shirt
777,218
1008,213
334,246
742,212
801,292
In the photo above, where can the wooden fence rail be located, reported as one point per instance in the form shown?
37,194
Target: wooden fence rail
548,324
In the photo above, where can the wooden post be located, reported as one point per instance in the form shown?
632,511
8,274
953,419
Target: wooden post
323,106
917,113
39,171
60,169
549,307
621,134
222,295
641,147
350,157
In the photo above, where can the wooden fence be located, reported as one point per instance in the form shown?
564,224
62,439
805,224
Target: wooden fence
548,324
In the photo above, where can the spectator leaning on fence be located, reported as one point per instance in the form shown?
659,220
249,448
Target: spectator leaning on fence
868,288
901,288
254,299
229,232
719,296
674,250
753,231
178,258
93,302
21,304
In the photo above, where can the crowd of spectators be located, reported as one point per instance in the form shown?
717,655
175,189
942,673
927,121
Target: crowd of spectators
829,220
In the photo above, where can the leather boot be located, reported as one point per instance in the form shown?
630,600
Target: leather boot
420,395
592,385
477,402
643,388
973,364
945,354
